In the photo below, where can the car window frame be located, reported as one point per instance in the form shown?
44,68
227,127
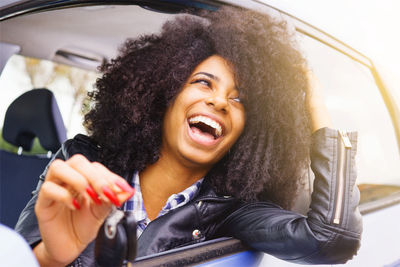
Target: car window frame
387,95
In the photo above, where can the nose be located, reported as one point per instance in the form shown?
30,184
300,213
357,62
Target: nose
219,102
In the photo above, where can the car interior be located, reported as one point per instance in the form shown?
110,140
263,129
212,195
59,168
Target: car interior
34,114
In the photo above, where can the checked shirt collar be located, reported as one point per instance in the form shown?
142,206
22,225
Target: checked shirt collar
136,205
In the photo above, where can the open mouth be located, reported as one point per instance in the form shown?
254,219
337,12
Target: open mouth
204,129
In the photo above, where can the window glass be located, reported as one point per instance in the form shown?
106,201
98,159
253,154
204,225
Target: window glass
69,85
355,103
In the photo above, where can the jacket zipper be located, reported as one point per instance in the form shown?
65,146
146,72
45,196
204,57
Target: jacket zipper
341,173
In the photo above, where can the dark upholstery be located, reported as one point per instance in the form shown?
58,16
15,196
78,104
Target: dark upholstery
33,114
19,176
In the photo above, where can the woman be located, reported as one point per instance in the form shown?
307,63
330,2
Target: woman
211,123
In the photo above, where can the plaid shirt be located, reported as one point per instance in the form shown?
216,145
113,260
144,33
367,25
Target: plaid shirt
136,205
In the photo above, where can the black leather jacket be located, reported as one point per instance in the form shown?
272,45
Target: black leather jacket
330,233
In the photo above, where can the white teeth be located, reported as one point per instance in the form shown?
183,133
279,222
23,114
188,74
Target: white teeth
210,122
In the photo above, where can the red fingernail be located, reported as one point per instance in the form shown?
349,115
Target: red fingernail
111,196
133,192
93,194
76,204
125,187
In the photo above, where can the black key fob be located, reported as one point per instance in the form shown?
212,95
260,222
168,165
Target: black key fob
116,240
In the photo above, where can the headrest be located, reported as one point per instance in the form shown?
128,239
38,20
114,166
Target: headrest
34,114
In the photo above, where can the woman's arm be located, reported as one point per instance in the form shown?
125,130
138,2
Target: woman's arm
322,237
331,232
319,114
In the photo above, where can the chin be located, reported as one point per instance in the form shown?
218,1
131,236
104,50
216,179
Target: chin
201,158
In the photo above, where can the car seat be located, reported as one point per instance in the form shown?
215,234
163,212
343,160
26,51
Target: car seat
34,114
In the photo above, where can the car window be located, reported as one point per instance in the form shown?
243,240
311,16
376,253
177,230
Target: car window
355,103
70,53
69,85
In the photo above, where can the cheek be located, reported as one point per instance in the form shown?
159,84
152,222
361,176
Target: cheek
173,112
183,101
169,122
239,122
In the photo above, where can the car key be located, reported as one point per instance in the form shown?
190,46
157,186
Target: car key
116,239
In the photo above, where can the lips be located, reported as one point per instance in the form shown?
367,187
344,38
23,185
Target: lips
204,129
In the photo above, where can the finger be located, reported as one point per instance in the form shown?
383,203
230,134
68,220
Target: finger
61,173
119,184
51,193
99,177
127,193
100,212
121,189
95,180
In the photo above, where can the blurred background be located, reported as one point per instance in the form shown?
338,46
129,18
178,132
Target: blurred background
371,26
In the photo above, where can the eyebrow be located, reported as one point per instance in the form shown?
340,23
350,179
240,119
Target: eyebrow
207,74
212,76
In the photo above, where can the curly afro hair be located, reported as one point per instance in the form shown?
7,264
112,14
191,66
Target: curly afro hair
269,158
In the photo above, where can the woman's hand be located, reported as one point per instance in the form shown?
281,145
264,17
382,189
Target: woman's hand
74,200
320,117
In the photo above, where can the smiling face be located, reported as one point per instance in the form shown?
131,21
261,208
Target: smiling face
206,118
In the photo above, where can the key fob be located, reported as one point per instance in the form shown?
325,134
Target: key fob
116,240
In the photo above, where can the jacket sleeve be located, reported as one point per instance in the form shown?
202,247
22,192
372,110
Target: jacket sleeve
331,231
27,224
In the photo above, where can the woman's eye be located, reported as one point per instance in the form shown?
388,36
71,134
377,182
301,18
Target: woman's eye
236,99
202,81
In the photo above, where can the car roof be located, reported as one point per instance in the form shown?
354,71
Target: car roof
79,31
87,35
